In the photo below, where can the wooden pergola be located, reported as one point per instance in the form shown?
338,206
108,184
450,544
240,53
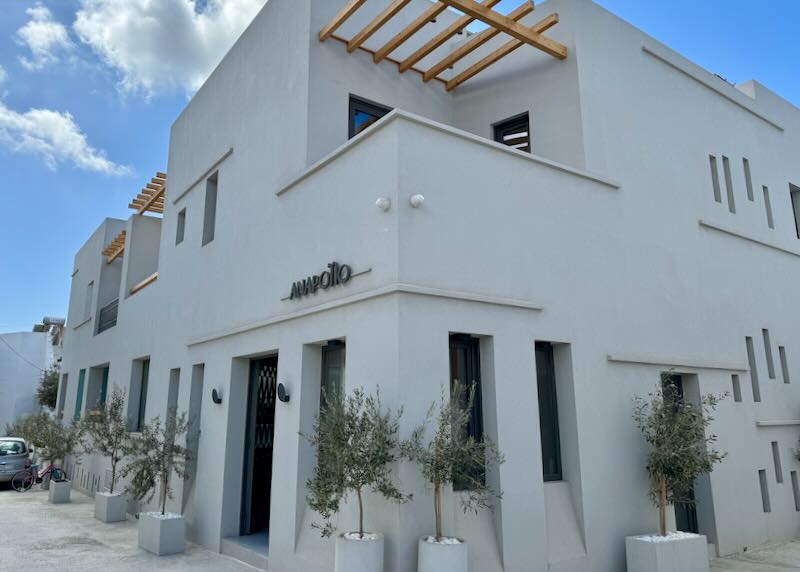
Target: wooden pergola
151,198
497,23
115,248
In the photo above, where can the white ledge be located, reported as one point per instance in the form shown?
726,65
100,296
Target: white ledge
86,321
205,174
675,361
398,288
737,234
398,114
778,423
708,80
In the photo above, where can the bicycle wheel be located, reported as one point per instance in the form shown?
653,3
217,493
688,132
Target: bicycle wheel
22,481
57,475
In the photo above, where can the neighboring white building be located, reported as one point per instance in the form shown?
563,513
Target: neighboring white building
653,226
24,356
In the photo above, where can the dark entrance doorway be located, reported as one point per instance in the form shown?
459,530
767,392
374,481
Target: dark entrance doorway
685,512
258,444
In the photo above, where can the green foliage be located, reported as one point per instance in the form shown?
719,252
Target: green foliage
47,392
679,449
107,433
54,439
453,456
356,444
154,456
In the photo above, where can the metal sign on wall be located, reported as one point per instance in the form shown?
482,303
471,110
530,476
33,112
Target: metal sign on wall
336,275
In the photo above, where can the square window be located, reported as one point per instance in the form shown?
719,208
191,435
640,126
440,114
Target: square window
514,132
363,114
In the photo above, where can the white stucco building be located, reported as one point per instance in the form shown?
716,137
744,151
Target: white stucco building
645,219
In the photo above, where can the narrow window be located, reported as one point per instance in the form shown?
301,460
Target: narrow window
210,215
181,228
514,132
784,364
768,351
62,396
776,458
548,412
465,368
79,396
715,178
87,304
762,481
795,194
748,179
751,359
333,368
768,207
103,388
137,396
172,394
737,389
726,167
363,114
795,490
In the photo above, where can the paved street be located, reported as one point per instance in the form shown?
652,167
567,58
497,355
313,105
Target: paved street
35,535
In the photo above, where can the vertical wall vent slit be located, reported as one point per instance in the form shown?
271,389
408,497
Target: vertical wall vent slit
784,364
715,178
748,179
726,167
776,458
751,359
768,351
762,481
768,207
737,389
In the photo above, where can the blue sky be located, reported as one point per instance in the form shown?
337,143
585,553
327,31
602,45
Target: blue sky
123,79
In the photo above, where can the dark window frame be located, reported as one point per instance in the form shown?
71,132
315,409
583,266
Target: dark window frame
359,104
501,128
331,347
546,388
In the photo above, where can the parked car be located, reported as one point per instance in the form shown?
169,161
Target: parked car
13,457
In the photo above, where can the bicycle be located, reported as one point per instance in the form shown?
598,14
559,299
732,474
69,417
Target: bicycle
25,479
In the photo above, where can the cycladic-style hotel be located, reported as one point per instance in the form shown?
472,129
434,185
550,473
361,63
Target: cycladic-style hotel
384,193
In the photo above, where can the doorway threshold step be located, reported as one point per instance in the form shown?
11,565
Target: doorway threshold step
252,550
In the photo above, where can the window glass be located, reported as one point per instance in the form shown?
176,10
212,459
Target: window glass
363,114
333,364
548,412
181,228
79,396
465,368
210,214
143,394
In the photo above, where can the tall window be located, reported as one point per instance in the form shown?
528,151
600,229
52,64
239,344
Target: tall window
62,395
181,228
514,132
87,303
364,113
137,397
79,396
465,368
548,412
795,194
333,363
210,215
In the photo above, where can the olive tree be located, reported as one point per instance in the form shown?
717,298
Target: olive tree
356,444
107,433
680,450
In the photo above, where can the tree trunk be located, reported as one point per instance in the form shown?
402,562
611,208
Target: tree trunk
662,506
360,515
164,482
437,506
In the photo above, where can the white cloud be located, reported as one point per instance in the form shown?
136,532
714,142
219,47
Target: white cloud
55,137
44,36
162,45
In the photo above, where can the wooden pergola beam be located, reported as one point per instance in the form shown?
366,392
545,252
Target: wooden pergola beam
509,26
347,10
440,38
499,54
409,31
474,43
376,24
115,248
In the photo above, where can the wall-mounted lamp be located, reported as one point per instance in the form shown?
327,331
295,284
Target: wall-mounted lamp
283,394
416,201
216,397
384,203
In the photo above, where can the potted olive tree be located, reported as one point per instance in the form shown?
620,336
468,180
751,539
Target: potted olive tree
55,442
155,456
679,451
451,456
356,443
107,434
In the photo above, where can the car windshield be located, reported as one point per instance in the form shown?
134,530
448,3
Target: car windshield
8,447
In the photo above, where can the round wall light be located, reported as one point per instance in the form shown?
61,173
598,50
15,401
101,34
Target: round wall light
384,203
216,396
416,201
283,393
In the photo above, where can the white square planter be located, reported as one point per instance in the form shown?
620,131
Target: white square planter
59,492
110,508
357,555
676,552
162,535
448,556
